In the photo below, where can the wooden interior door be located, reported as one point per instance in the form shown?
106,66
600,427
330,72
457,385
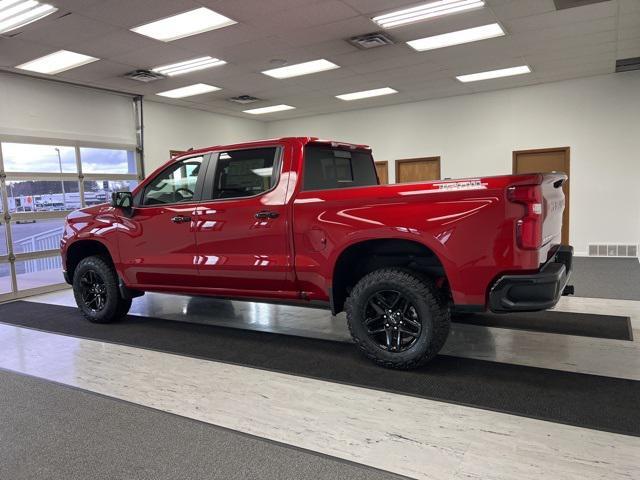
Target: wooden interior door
417,169
382,169
547,160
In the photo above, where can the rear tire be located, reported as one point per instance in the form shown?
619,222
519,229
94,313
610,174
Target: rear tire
397,319
95,288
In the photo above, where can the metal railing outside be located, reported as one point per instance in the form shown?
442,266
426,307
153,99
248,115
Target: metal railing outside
48,240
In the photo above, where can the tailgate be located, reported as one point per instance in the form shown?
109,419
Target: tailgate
552,208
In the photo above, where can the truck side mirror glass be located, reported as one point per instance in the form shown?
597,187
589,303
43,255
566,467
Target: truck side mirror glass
123,200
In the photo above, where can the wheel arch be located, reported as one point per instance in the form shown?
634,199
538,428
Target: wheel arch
84,248
362,257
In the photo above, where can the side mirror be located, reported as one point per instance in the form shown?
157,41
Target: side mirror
123,200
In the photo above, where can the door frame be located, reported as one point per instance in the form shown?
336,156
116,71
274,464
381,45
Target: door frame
384,163
567,156
414,160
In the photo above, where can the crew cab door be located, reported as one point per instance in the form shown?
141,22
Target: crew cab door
157,241
243,225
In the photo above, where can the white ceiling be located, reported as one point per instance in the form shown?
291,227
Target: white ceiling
558,45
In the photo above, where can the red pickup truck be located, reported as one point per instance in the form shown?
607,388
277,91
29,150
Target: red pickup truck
305,221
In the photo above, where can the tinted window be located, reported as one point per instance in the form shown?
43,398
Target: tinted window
326,167
245,173
176,184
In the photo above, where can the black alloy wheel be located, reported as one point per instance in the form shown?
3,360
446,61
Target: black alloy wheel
398,318
95,288
93,291
392,321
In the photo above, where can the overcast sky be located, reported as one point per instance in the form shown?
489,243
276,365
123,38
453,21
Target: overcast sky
20,157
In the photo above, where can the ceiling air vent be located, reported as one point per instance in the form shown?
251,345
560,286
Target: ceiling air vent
371,40
628,64
145,76
244,99
564,4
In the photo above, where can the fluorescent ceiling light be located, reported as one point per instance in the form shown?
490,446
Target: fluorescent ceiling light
457,38
273,108
18,13
425,12
184,25
366,94
263,172
189,91
298,69
189,66
57,62
503,72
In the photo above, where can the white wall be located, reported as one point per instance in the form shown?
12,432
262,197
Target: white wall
170,127
39,108
598,117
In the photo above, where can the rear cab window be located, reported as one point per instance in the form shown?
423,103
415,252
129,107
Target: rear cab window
327,167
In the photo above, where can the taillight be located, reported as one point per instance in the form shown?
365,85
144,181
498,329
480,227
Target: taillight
529,227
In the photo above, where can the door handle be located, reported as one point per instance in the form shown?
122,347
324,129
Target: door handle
267,214
180,219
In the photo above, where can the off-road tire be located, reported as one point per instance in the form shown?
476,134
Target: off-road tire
115,307
430,306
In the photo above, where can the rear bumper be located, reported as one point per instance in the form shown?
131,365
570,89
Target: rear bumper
533,292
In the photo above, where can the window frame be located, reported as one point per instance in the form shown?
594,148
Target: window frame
207,192
11,258
138,200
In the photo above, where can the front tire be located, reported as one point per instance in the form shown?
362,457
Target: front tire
95,288
397,318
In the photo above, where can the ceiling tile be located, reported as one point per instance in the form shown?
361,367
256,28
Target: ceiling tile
629,6
154,56
96,71
339,30
446,24
75,5
68,31
629,48
522,8
113,44
630,20
628,33
379,6
305,16
243,11
563,17
558,45
506,82
131,13
14,51
214,42
558,54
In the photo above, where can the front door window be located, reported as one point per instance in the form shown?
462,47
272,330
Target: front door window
176,184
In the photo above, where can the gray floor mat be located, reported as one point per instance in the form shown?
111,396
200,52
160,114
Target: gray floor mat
617,278
57,432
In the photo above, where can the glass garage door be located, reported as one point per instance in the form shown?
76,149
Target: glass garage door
40,183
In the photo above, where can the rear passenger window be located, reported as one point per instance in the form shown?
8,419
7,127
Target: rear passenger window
326,168
245,173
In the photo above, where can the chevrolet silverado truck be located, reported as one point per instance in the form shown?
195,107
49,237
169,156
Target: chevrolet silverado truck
305,221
